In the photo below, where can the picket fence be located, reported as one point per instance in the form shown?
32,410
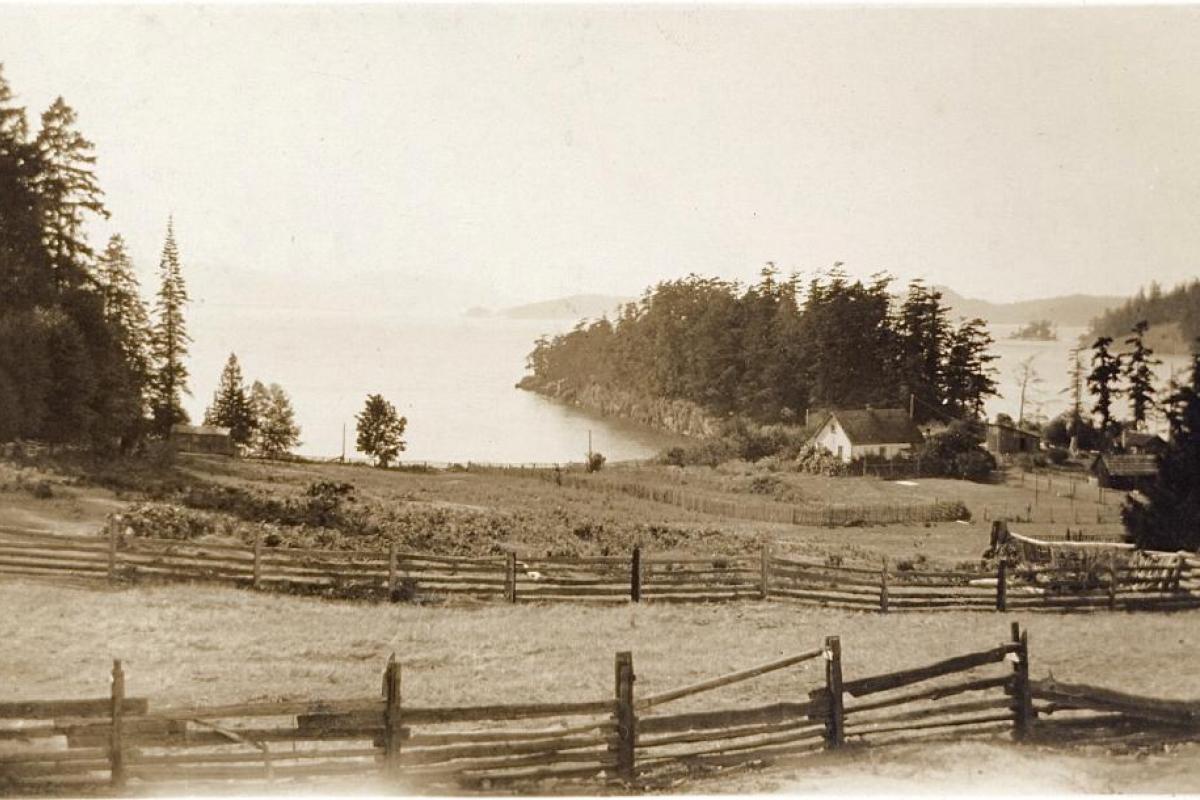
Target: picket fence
1050,575
624,739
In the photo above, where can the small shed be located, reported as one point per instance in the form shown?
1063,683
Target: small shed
202,439
1005,440
1125,472
857,433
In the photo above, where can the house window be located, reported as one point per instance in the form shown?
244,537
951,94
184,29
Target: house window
839,451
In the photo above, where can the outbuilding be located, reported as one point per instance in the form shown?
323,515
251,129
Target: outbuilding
202,439
1125,472
1007,440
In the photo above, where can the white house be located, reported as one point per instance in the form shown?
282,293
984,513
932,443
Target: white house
857,433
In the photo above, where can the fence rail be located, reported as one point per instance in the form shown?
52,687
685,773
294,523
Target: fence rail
71,744
1048,576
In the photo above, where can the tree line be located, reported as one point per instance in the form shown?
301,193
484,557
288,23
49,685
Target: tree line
84,359
773,349
1156,307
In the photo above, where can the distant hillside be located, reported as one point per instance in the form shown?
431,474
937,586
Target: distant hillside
1174,317
1069,310
574,307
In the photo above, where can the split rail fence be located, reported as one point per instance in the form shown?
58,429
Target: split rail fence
626,739
1049,576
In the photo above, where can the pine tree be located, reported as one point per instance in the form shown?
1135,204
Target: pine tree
1106,369
380,430
125,310
1139,375
1075,424
230,407
170,340
1169,519
277,430
968,376
69,192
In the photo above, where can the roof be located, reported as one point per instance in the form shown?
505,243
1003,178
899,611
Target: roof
1128,466
199,430
1015,429
877,426
1139,439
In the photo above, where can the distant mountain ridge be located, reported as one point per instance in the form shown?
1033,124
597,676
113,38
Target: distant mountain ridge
574,307
1073,310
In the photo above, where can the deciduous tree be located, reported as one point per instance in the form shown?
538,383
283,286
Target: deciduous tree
380,430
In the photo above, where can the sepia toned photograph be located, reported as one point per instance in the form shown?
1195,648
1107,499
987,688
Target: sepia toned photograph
492,400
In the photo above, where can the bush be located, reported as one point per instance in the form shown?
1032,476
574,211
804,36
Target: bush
1057,455
819,461
1030,461
595,462
974,465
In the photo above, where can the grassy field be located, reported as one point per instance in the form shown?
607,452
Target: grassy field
487,512
192,644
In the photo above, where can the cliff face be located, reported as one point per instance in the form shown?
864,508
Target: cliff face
676,416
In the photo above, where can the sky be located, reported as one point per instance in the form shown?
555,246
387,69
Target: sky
421,160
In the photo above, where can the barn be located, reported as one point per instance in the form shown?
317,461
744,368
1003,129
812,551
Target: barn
852,434
202,439
1003,440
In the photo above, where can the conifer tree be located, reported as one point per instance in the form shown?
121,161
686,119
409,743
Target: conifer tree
1106,369
69,192
1139,375
1169,518
231,408
170,340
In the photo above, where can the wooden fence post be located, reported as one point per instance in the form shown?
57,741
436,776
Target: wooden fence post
1022,706
626,717
510,578
835,722
258,561
391,579
1113,579
116,755
392,718
883,587
1002,585
635,576
114,542
765,587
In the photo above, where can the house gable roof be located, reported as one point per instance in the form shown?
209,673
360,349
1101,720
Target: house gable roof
869,426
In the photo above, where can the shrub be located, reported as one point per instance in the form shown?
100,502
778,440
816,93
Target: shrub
1057,455
595,462
819,461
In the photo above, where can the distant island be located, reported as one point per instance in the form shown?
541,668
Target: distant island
1040,330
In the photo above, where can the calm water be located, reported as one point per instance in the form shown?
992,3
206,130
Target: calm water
454,379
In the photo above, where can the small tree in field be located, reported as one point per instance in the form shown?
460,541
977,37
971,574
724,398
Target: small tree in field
380,430
277,431
231,407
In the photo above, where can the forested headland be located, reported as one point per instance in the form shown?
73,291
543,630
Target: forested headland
1174,317
770,351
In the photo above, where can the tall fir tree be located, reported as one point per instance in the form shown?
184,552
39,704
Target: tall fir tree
1169,517
231,408
69,192
169,343
1075,426
1139,375
1102,383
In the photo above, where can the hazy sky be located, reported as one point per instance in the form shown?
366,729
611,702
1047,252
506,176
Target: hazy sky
418,159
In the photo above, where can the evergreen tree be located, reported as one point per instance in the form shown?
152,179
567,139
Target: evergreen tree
968,376
380,430
1102,380
69,192
169,341
277,431
1169,519
1075,427
230,407
1139,375
922,336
